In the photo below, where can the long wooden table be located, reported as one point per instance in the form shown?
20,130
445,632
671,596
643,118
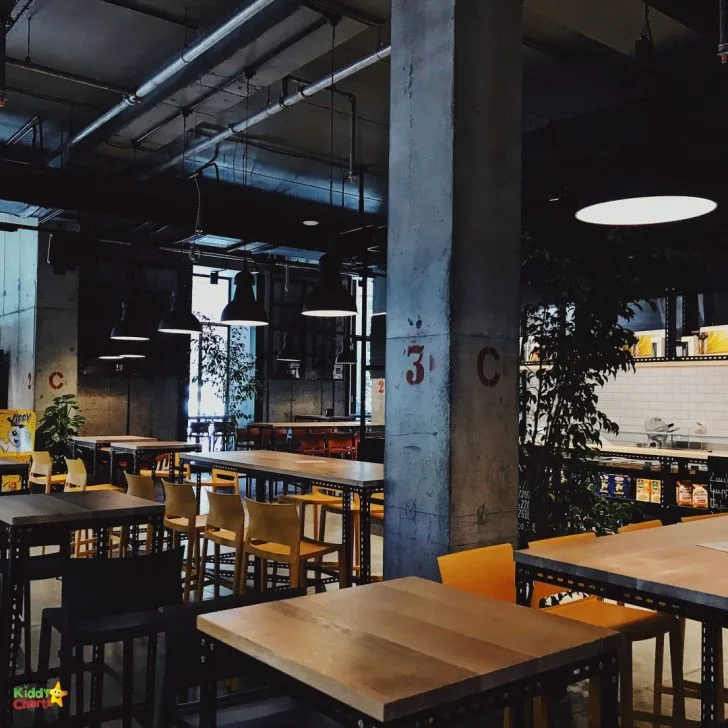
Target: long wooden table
670,569
352,477
94,444
44,519
413,651
139,450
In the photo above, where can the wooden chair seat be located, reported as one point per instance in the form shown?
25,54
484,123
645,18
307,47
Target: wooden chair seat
637,624
104,487
182,524
223,537
309,549
315,498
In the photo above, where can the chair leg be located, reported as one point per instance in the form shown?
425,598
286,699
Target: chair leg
44,657
342,568
127,682
201,567
97,686
540,711
315,520
80,706
245,561
27,647
263,574
191,548
216,569
508,718
238,571
676,666
322,524
294,572
626,691
659,676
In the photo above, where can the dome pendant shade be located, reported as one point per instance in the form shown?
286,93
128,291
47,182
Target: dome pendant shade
329,299
177,321
127,329
648,210
244,310
290,351
347,355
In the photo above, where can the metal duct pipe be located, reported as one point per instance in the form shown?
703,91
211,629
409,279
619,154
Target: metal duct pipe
280,105
20,133
723,45
197,49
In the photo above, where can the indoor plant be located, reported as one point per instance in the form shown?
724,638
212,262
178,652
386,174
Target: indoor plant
61,420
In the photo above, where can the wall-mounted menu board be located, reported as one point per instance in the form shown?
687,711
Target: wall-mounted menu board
718,474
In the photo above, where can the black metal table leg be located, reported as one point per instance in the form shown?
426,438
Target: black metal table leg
524,585
609,701
112,466
711,713
10,596
157,524
346,534
135,464
208,687
96,463
365,537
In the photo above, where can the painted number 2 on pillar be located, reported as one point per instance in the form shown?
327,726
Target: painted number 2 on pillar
417,374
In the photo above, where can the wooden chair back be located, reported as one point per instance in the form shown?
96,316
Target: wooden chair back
140,486
220,474
274,522
226,512
688,519
179,500
340,443
488,571
77,476
542,590
41,468
641,526
311,443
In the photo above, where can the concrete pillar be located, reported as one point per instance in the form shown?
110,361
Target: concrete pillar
451,454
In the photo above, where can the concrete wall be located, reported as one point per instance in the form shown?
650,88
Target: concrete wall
300,397
18,270
56,353
683,394
153,405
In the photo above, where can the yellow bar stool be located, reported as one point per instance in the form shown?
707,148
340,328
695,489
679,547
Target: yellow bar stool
139,486
182,519
274,533
41,471
225,526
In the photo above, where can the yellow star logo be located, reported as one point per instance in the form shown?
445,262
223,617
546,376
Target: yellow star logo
57,695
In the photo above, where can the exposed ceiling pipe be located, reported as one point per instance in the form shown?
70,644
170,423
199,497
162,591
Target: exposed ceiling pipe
281,105
20,133
64,76
191,54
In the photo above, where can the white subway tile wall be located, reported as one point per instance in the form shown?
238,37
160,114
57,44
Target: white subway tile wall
683,395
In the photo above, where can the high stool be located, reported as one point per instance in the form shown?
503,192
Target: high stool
182,519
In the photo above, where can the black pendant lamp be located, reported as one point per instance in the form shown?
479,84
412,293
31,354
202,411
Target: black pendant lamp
127,328
290,351
329,299
244,309
179,319
347,355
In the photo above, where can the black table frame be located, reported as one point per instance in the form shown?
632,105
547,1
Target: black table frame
571,577
137,457
22,468
604,668
365,494
15,560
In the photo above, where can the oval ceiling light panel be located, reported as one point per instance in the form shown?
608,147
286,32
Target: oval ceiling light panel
646,210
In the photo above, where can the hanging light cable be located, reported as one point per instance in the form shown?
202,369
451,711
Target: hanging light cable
330,298
244,309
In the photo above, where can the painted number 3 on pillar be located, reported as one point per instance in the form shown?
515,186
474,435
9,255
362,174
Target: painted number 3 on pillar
416,374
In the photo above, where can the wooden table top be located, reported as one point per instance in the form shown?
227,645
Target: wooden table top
312,425
667,561
13,463
107,439
160,445
55,508
399,647
328,470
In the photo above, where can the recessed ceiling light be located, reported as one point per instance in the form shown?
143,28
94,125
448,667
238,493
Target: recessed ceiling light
646,210
310,223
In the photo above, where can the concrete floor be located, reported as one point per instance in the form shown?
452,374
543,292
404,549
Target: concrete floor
571,713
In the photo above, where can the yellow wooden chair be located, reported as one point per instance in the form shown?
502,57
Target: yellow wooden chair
41,471
274,533
635,625
182,519
702,517
225,526
317,498
143,487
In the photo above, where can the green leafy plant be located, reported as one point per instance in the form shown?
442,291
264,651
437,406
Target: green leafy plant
61,420
576,339
227,367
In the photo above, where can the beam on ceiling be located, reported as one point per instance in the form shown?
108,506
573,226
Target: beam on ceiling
698,15
152,12
227,210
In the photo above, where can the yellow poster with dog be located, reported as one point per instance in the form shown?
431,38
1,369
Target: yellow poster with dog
17,438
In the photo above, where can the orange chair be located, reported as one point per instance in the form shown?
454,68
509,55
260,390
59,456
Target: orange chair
311,444
340,445
702,517
636,625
